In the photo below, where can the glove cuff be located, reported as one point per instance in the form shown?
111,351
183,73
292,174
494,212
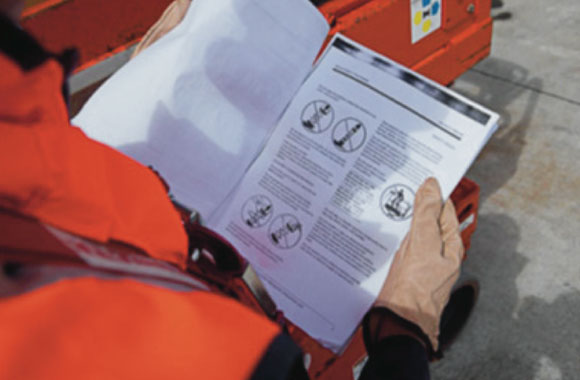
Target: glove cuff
380,323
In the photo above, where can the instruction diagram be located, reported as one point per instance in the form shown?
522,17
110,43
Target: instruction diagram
340,217
317,116
425,18
285,231
349,134
397,202
257,211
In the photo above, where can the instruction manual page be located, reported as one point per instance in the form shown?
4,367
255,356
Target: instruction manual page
323,209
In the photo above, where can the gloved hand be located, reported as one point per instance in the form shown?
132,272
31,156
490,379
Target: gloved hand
427,263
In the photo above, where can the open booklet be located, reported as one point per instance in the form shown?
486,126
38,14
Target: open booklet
323,208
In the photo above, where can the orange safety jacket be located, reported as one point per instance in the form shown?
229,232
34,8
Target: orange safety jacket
64,196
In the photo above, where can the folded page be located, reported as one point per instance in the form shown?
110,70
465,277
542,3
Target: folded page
198,104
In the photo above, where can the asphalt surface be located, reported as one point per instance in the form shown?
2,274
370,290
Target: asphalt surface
526,250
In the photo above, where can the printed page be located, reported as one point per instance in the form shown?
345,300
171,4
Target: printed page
198,104
323,209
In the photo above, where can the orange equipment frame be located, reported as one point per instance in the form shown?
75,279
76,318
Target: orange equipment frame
101,29
463,39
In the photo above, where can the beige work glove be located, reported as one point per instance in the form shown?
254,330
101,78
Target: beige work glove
170,18
426,265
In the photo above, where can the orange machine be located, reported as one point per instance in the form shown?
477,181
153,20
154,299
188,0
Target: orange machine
438,38
453,34
441,39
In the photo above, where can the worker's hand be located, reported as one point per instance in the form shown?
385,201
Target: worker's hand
427,263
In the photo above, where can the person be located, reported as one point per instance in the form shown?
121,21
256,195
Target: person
94,257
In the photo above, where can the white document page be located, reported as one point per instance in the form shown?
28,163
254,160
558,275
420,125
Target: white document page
325,206
198,104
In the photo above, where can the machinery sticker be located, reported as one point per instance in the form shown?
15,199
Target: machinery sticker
425,18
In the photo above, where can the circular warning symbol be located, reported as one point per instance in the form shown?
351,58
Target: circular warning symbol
317,116
397,202
285,231
349,134
257,211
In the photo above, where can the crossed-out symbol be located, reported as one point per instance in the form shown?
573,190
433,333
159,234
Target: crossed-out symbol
285,231
317,116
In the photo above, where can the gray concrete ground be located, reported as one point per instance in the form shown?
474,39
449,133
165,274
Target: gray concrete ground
525,252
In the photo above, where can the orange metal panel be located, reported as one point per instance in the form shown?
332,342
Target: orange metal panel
99,27
456,13
385,26
95,27
462,52
33,7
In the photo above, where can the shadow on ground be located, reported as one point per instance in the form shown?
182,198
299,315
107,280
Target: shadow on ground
508,337
524,340
499,160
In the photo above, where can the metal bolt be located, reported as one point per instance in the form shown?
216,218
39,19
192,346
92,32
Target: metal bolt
471,8
195,255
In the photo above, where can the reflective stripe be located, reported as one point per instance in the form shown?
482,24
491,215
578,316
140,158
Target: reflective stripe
108,258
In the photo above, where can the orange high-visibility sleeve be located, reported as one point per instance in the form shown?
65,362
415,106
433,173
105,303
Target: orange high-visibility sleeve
53,172
92,328
103,329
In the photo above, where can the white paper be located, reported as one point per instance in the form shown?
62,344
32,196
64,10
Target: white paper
198,104
325,206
